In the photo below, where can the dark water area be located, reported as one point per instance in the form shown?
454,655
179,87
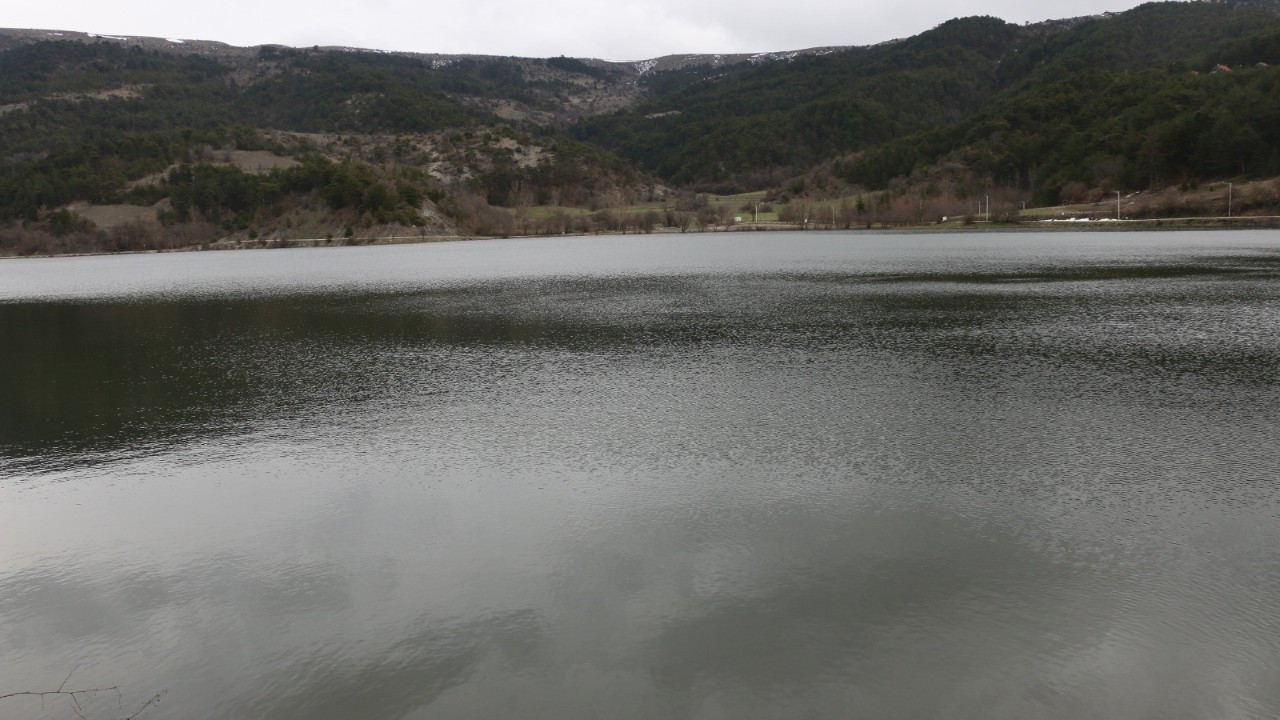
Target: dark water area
740,476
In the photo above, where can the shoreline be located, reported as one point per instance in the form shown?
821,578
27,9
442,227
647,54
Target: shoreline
1265,222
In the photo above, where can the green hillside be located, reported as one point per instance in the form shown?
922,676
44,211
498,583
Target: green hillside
380,138
1047,104
724,127
1183,92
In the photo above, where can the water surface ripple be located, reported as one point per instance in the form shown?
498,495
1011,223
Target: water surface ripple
736,476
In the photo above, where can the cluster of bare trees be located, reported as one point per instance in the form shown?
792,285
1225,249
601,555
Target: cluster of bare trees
889,210
136,236
687,212
559,222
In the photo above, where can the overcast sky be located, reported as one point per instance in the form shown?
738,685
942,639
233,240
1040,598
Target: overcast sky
609,29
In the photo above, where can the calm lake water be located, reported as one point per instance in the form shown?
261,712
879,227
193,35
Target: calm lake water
710,476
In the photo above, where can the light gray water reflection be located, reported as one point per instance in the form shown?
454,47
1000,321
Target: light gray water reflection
744,476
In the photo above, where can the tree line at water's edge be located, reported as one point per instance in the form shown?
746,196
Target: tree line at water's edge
1167,94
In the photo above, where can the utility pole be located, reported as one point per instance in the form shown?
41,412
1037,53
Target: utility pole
756,218
988,208
1117,204
1230,189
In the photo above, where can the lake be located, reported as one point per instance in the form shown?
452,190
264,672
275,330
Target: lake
745,475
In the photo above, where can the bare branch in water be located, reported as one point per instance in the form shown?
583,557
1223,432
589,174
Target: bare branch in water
75,695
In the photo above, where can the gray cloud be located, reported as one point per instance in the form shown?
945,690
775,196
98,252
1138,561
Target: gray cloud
619,30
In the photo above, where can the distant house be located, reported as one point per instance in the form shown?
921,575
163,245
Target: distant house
1220,69
1263,65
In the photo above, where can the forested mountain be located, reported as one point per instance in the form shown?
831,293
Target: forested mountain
370,138
289,142
1040,104
699,127
1179,93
